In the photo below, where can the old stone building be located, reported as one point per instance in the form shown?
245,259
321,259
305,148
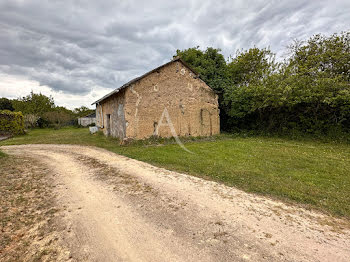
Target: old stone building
168,100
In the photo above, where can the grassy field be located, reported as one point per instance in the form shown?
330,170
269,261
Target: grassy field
309,172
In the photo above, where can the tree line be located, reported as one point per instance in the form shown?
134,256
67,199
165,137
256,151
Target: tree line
40,111
307,92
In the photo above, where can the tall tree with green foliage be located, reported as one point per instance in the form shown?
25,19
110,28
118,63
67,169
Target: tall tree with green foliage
319,77
310,92
83,111
35,104
6,104
248,72
210,65
251,66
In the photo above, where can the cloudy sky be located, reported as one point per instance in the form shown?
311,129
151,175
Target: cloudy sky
77,50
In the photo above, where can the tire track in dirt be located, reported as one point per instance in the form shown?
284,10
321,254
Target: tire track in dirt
119,209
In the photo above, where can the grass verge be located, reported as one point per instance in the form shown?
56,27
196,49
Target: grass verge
309,172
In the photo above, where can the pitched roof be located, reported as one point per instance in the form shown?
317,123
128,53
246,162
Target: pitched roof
144,75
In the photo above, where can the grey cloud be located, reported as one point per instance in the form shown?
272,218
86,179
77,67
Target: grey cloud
76,47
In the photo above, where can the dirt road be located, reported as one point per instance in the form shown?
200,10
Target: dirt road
119,209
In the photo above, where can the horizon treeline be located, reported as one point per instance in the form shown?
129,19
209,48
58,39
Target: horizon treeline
40,111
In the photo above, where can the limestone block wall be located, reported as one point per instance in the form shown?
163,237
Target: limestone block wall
110,116
174,92
99,116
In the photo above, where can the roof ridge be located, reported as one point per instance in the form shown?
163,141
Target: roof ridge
132,81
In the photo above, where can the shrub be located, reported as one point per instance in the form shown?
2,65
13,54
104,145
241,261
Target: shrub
11,122
30,120
308,92
42,123
57,119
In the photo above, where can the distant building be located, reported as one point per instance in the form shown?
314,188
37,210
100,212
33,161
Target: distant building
87,120
142,107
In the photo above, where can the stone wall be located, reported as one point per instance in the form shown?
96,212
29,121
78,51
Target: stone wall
110,116
174,94
169,101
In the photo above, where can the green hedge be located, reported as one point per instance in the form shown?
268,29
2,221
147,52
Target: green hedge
11,122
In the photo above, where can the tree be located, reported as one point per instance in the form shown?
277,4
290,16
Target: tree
251,66
36,104
6,104
83,111
318,79
322,56
57,118
210,65
309,92
31,120
249,73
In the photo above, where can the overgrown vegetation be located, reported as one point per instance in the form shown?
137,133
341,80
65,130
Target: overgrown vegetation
11,123
309,171
307,93
6,104
40,111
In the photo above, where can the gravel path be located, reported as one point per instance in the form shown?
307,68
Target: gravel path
119,209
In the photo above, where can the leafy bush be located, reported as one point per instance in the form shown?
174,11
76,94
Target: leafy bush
11,122
307,93
42,123
57,119
6,104
35,104
30,120
40,111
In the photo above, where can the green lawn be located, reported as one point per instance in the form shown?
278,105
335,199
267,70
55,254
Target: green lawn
307,172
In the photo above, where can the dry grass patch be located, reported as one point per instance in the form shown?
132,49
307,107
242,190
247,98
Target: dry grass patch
28,225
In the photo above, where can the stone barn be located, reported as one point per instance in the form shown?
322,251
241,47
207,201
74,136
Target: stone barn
170,99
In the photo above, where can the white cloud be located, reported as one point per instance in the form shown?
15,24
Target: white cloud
15,87
77,50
